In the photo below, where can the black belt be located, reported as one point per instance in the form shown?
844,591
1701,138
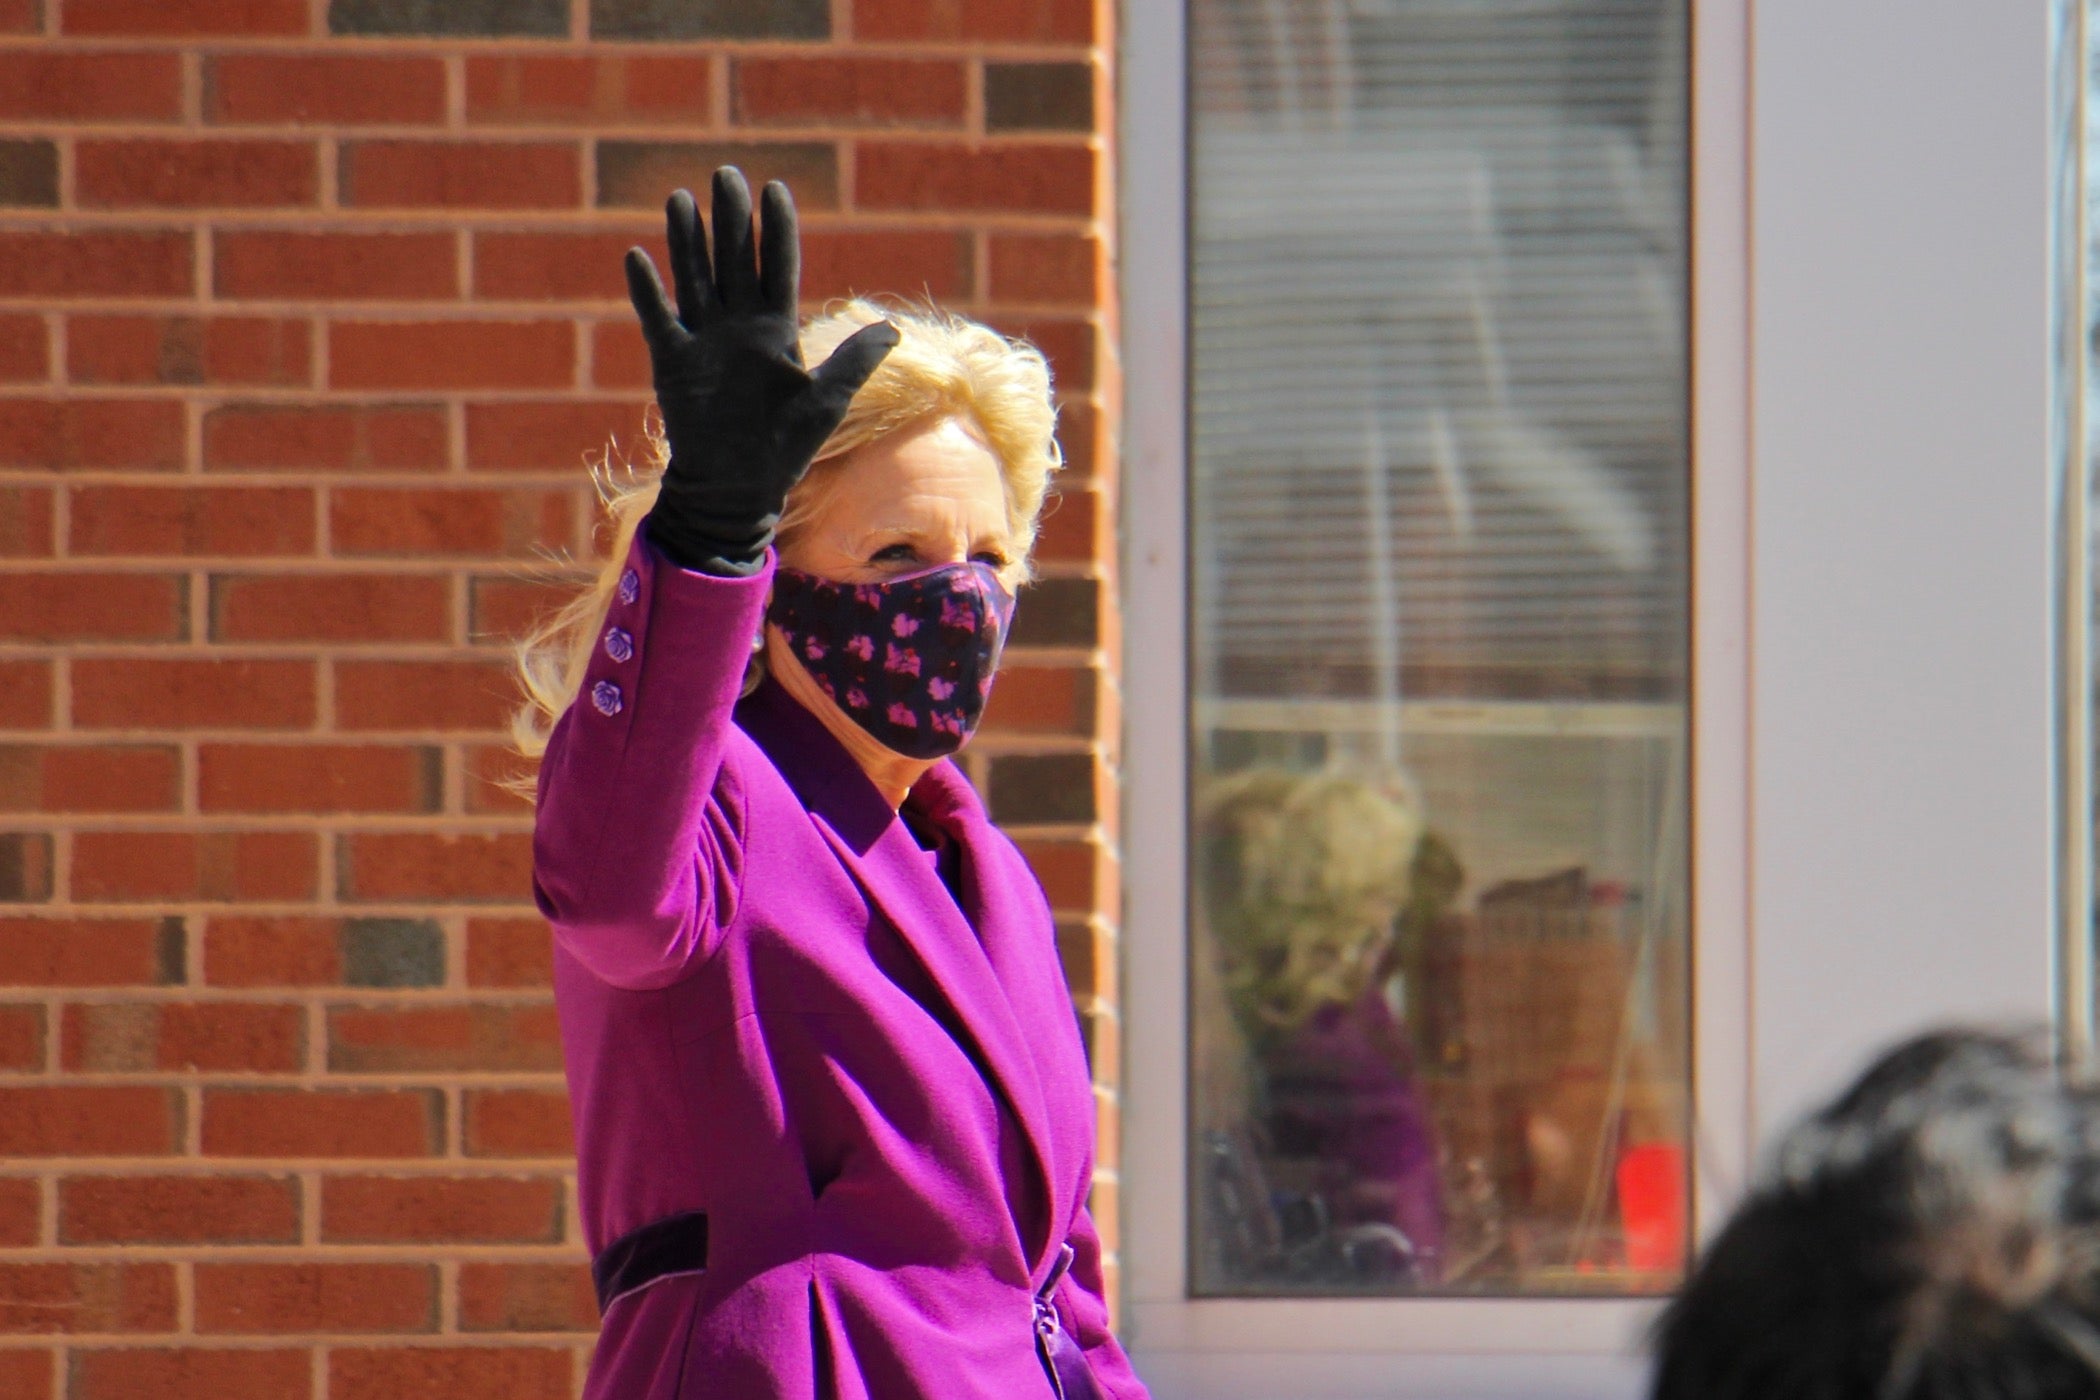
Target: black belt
674,1245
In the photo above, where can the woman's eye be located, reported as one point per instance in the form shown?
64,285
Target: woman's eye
990,556
894,554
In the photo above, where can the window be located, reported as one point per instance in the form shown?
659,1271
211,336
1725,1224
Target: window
1808,735
1437,504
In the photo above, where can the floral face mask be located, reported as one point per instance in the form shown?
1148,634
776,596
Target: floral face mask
908,659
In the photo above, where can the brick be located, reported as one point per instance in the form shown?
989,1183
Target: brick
28,174
375,523
302,265
1059,612
451,867
451,354
989,179
121,778
85,952
509,953
527,1298
492,778
237,350
640,174
518,1123
27,524
429,1039
931,263
1034,700
325,89
21,17
25,694
441,1209
556,436
423,695
92,434
602,89
89,1120
89,778
21,1224
620,357
1078,876
461,175
1038,97
997,21
322,1123
191,1373
393,953
230,521
201,693
273,952
272,1299
515,1373
1088,956
25,867
501,610
148,263
90,607
850,91
21,1049
25,349
710,19
527,18
252,19
96,85
208,174
318,778
122,867
329,608
1071,344
70,1298
1042,789
28,1374
555,266
1047,268
143,1037
1073,528
381,437
178,1210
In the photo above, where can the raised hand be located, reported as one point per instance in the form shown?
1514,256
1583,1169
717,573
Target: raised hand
743,417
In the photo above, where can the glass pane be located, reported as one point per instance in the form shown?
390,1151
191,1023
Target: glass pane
2075,381
1438,709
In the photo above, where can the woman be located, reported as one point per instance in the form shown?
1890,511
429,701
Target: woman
834,1119
1305,879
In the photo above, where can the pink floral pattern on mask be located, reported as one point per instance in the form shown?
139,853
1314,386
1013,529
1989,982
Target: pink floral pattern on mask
923,691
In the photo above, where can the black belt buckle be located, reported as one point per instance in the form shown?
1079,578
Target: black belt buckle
677,1244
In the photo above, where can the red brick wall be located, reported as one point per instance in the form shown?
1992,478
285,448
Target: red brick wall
309,313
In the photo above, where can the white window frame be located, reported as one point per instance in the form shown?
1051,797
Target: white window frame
1875,777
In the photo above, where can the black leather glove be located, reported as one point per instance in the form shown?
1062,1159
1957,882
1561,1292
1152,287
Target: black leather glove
743,417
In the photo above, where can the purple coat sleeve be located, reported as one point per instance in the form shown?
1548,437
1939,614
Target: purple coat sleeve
637,841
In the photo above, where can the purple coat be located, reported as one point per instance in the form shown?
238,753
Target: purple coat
775,1012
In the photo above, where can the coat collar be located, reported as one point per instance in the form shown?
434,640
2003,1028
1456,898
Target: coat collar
966,950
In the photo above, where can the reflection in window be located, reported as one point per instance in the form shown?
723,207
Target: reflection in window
1438,513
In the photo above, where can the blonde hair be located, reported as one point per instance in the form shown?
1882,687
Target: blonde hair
1303,878
943,367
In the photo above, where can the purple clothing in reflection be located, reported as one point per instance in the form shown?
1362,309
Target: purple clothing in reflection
1342,1091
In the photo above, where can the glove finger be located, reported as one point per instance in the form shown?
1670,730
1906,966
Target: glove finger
688,240
646,290
839,378
736,261
779,250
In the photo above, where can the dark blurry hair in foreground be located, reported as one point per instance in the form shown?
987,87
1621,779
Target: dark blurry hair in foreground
1934,1234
